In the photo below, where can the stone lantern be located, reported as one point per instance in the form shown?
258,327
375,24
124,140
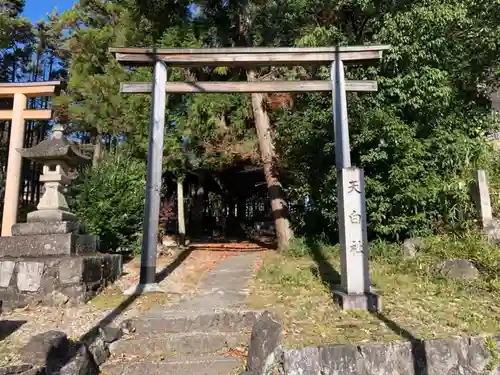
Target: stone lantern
58,155
50,259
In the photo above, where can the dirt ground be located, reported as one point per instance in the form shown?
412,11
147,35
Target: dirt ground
179,274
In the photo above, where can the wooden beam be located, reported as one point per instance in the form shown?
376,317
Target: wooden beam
48,88
259,56
37,114
28,114
6,114
249,50
244,60
247,87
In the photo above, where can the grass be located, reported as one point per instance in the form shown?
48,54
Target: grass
415,301
110,300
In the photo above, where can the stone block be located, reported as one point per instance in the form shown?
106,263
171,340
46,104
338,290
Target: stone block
76,293
341,360
56,298
12,299
92,268
110,334
47,245
47,227
16,369
451,356
87,244
412,246
446,356
457,269
363,301
39,370
29,276
6,271
50,215
265,345
481,197
391,358
71,270
98,348
478,356
58,280
302,361
49,349
81,363
113,267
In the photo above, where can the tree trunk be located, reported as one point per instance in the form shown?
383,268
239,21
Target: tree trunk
180,212
199,208
279,206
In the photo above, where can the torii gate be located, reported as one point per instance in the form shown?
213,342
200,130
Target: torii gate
19,114
355,289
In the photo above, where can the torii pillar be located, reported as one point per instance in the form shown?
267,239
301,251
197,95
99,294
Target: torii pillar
18,115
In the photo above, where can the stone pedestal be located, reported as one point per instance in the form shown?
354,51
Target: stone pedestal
55,280
355,291
50,259
53,263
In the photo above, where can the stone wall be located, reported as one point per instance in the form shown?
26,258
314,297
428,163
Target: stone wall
55,280
446,356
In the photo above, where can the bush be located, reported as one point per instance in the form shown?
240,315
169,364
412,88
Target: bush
472,246
303,247
469,245
297,248
109,199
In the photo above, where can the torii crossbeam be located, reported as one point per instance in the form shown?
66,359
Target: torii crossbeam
355,289
19,114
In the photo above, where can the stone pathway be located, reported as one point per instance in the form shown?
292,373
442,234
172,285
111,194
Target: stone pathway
204,334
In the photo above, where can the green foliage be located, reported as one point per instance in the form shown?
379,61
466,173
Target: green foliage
472,246
467,245
109,199
383,249
298,248
306,247
16,40
92,101
491,345
418,138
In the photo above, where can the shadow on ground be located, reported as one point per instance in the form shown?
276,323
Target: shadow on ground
8,327
160,276
332,278
90,336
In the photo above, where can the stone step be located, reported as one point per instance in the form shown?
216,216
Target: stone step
191,343
205,365
184,321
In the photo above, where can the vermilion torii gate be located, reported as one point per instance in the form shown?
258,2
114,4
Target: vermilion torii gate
355,289
18,115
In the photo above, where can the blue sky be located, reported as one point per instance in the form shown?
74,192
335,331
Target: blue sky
38,9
